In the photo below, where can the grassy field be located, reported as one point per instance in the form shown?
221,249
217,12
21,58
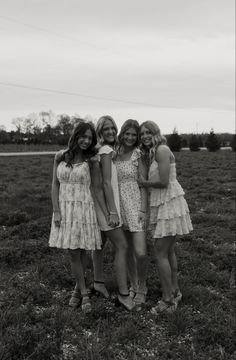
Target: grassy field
36,281
31,147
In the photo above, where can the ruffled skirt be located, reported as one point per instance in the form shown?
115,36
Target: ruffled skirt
169,212
79,228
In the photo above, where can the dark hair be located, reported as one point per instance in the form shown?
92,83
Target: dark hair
130,123
79,131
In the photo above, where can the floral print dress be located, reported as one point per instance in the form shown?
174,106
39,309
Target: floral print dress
79,227
130,196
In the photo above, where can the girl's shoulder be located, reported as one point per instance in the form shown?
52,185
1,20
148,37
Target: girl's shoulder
136,155
59,155
105,149
162,151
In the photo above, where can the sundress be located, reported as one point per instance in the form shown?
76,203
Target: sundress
106,149
130,196
169,212
79,227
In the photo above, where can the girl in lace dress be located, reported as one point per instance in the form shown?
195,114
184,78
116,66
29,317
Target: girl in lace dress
133,204
74,223
169,213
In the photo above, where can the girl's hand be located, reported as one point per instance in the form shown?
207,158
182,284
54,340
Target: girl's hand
141,216
95,158
57,218
113,220
141,181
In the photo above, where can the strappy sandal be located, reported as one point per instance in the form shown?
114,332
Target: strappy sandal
140,297
96,290
132,291
75,299
128,305
164,306
86,304
177,296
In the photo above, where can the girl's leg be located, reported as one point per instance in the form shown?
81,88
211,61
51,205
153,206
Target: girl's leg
161,247
131,265
173,266
118,240
140,249
97,256
77,269
174,272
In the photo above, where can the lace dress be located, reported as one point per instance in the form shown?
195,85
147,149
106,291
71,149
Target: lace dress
169,212
130,196
79,227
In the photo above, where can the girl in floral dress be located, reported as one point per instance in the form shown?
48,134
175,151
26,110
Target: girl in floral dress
74,222
133,203
169,213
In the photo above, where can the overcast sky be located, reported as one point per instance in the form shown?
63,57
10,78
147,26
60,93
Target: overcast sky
171,61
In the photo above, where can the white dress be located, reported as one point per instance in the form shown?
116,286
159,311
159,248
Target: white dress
169,212
106,149
79,227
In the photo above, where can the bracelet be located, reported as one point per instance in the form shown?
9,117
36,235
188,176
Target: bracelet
113,213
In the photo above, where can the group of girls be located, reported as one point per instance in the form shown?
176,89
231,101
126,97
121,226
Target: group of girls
110,186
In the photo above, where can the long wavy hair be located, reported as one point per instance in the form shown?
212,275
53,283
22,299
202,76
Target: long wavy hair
99,128
157,139
128,124
80,129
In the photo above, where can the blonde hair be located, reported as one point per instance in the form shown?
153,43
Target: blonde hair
99,128
157,138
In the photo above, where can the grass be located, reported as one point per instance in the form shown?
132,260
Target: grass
29,147
36,281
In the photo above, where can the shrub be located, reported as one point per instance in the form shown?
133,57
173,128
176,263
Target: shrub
233,142
194,143
212,142
174,141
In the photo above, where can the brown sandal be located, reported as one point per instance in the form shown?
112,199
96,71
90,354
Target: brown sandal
164,306
86,304
75,299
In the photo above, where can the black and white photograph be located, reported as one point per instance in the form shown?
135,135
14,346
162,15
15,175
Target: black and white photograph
117,180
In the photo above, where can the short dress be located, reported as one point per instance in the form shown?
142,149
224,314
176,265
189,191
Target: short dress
79,226
106,149
130,196
169,212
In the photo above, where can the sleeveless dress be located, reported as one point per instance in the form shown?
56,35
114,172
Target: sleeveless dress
130,196
79,227
106,149
169,212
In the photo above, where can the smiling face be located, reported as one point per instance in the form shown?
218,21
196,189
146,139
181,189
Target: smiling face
85,140
108,132
130,137
146,137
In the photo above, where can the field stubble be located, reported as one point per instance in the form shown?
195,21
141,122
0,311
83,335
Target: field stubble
36,281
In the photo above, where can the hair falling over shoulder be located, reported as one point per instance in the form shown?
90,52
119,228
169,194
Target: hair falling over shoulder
157,139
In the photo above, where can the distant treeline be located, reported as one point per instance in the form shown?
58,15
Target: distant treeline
30,130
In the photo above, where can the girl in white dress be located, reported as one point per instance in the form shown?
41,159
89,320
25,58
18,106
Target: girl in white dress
169,213
74,222
110,221
133,202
